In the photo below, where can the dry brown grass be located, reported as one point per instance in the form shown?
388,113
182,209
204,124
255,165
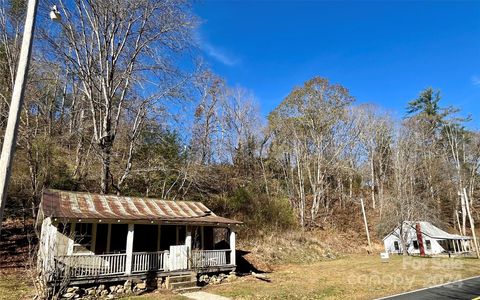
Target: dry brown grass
323,264
352,277
15,284
164,295
304,246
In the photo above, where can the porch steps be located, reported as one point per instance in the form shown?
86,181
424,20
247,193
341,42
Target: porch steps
183,283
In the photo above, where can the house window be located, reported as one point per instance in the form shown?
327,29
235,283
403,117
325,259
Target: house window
82,238
415,245
395,245
428,244
64,228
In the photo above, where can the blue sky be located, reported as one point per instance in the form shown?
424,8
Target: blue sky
385,52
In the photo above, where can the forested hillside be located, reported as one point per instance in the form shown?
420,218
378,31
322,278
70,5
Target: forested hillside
120,101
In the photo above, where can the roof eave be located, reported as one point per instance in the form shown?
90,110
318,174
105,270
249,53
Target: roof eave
146,221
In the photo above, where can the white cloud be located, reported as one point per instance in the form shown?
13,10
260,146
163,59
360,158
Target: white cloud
475,80
217,53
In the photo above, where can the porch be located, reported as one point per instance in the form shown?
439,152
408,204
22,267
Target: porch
84,267
456,246
93,250
86,237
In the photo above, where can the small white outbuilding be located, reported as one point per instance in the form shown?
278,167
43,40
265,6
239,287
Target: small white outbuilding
435,240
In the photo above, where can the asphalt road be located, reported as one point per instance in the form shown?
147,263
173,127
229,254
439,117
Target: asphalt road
465,289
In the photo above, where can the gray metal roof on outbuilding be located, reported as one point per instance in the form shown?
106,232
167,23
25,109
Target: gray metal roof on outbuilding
430,230
435,232
79,205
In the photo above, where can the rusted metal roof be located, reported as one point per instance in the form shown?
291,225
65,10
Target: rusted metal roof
78,205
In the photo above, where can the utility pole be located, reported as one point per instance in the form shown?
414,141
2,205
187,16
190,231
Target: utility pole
366,225
472,222
10,139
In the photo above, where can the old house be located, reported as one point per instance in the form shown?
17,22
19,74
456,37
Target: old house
90,237
434,239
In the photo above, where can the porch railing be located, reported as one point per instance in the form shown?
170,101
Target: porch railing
148,261
210,258
90,265
81,266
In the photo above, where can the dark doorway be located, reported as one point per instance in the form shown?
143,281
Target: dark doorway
118,242
101,240
208,238
145,238
182,232
168,236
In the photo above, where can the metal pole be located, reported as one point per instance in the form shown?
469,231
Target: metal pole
366,224
10,139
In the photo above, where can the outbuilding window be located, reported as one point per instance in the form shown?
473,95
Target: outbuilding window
395,245
415,245
428,244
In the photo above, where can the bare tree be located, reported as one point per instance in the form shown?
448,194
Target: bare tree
466,167
242,127
376,136
405,203
122,54
11,29
311,130
207,129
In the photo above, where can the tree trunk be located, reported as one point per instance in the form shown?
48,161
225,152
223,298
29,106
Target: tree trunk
104,185
372,170
464,214
472,222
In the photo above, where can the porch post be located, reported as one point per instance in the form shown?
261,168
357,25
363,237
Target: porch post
188,244
454,246
94,238
232,247
188,237
202,235
177,235
159,237
109,237
128,262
